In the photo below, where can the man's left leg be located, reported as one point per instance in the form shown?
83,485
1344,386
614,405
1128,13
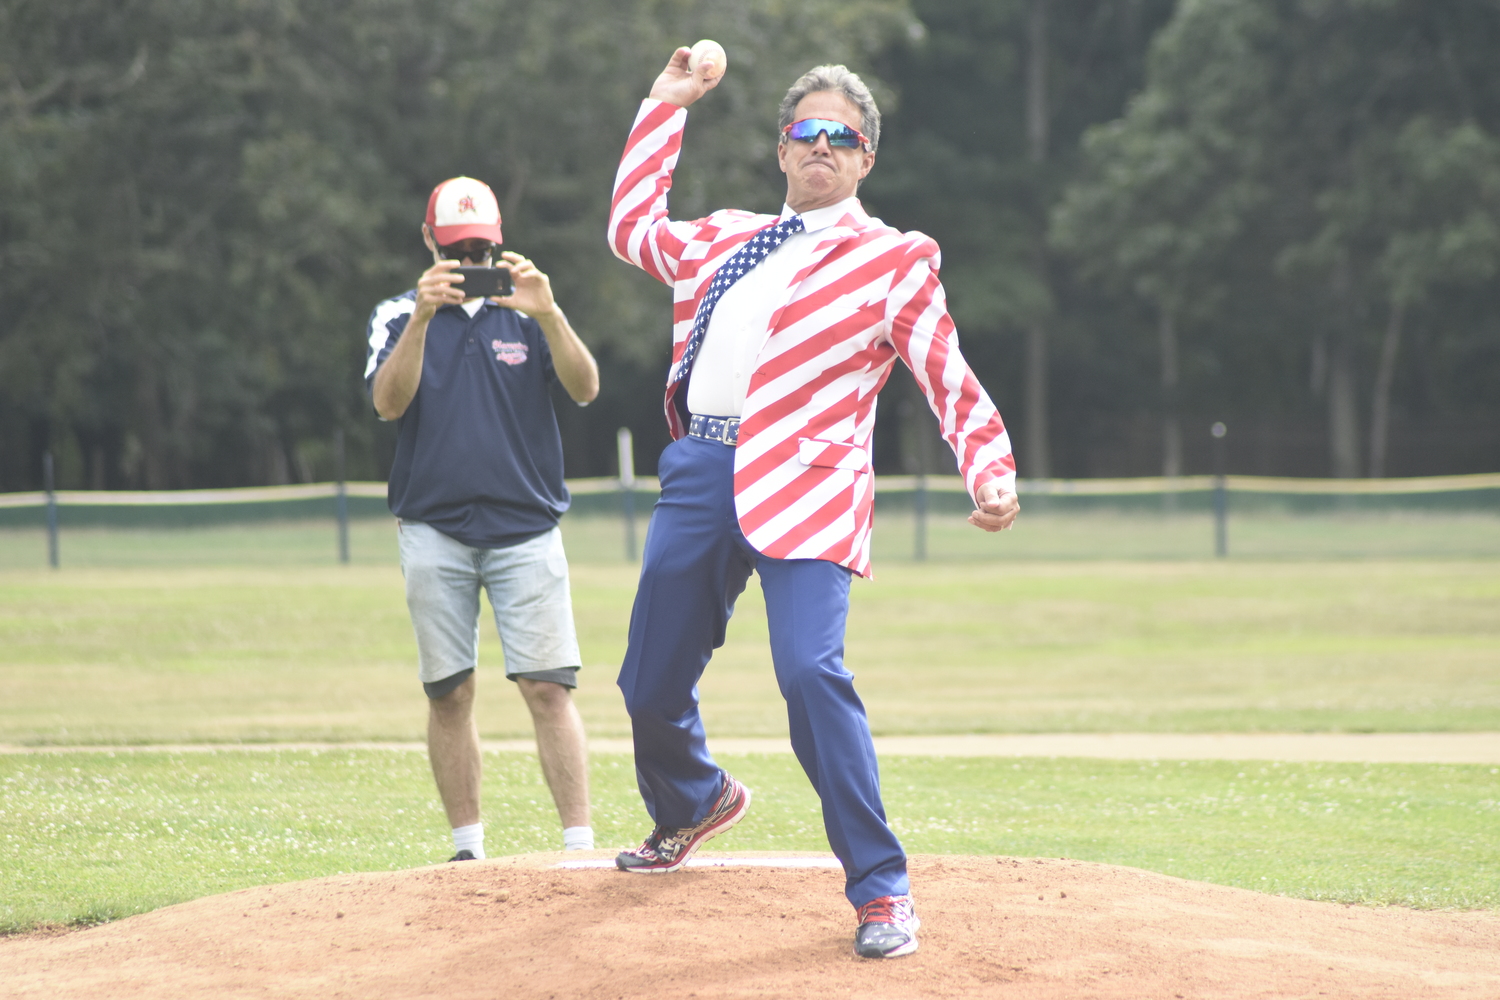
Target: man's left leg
807,605
563,750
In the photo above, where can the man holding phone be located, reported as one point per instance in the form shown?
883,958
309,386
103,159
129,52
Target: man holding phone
477,488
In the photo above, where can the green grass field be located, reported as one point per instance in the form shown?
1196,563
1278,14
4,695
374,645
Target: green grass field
113,655
93,837
256,634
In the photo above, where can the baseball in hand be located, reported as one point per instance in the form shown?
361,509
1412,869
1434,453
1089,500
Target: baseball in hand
708,50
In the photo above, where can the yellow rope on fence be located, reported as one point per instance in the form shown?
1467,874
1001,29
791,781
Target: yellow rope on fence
883,484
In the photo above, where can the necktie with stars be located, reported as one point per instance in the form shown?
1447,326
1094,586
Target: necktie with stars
742,263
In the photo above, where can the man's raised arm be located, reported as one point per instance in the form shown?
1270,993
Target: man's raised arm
639,231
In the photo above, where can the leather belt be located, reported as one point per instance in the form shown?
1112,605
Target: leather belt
725,430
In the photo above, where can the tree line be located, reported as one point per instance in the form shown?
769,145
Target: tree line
1283,214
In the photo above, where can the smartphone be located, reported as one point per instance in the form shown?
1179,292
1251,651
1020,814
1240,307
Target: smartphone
483,281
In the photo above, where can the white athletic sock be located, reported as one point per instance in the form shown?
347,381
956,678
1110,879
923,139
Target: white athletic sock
469,838
578,838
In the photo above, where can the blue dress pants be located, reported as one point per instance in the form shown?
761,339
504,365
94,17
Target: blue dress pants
696,563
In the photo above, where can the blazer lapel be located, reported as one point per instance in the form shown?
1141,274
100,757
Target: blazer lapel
846,229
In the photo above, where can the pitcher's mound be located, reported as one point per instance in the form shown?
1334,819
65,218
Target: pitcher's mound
991,927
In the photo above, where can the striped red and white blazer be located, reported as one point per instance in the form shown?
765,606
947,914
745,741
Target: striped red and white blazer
803,484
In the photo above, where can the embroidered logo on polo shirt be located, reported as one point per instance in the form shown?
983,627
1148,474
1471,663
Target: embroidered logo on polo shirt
511,352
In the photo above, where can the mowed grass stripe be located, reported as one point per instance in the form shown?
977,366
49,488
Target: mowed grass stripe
221,654
92,837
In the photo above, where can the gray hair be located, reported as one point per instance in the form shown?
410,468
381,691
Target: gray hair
841,81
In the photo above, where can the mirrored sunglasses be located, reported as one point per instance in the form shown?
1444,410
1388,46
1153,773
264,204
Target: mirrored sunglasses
839,134
473,251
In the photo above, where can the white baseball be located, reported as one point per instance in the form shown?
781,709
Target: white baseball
710,50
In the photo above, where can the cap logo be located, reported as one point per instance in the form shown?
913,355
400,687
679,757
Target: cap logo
463,209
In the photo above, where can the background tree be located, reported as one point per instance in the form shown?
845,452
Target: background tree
1301,152
1279,212
200,204
1420,211
1162,200
993,97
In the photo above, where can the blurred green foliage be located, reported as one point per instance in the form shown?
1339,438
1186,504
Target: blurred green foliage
200,204
1304,184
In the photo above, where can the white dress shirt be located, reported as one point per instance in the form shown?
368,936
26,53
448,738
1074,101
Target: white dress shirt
742,319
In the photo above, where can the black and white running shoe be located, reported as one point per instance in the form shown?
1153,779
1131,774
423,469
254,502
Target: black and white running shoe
668,848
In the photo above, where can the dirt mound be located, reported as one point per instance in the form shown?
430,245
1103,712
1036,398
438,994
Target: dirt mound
992,927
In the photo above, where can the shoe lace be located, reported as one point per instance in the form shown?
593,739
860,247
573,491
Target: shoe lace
659,835
885,910
671,842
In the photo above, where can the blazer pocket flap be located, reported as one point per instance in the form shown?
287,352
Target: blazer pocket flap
832,454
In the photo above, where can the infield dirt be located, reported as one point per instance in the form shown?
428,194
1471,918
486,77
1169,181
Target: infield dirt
1038,928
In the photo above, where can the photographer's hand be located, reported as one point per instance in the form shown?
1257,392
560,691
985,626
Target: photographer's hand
437,287
532,289
532,295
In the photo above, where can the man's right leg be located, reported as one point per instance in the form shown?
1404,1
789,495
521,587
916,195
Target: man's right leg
453,748
691,573
442,594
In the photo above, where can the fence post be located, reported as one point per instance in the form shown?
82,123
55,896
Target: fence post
914,413
919,507
1221,491
341,496
626,448
49,484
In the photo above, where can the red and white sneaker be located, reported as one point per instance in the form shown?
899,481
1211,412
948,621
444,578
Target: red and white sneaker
887,928
668,848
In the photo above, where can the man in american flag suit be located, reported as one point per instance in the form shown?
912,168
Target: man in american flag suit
785,328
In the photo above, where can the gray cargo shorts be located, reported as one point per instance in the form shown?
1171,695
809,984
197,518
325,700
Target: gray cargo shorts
528,589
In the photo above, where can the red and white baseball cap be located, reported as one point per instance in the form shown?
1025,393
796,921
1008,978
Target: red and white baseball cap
463,209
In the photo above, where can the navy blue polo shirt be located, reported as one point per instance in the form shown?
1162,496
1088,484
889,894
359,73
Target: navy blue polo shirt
478,453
